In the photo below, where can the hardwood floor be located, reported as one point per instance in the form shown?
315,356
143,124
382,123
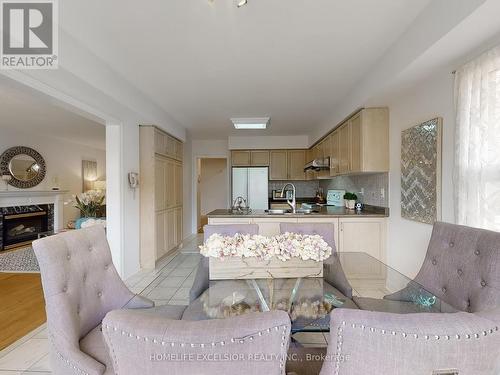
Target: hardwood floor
22,306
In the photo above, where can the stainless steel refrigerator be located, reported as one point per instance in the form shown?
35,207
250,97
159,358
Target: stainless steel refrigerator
252,185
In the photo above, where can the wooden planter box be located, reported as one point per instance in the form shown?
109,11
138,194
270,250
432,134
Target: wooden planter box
253,268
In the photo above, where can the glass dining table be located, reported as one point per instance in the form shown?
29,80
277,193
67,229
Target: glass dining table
309,301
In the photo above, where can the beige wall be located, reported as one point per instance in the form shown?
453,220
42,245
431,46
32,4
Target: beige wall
212,186
431,97
63,160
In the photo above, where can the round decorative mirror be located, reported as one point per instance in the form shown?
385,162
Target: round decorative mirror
25,165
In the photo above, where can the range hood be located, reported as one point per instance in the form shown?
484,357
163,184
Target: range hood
318,164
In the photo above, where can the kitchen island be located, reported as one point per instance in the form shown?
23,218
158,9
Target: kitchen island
354,231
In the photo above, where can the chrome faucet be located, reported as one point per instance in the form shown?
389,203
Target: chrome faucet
239,204
292,203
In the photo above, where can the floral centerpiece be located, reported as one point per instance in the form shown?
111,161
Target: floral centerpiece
283,246
89,203
256,256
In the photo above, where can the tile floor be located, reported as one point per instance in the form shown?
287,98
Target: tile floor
168,283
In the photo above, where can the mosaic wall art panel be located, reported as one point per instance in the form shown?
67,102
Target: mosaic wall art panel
421,172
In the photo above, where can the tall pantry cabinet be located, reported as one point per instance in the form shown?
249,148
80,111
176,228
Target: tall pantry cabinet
161,194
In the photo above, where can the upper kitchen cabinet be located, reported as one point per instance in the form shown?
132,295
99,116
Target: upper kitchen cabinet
361,144
240,158
344,148
325,151
310,174
369,141
259,158
279,165
296,162
244,158
335,154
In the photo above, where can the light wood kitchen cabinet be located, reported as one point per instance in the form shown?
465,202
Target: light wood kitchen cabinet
355,143
166,145
259,158
363,235
360,144
326,152
310,174
240,158
344,149
335,154
283,164
161,194
364,142
247,158
374,140
279,165
296,162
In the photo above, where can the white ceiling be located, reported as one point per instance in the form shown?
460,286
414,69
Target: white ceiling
24,110
205,63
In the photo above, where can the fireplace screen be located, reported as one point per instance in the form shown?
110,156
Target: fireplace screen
22,228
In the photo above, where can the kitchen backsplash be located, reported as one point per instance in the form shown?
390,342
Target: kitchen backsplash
305,189
375,187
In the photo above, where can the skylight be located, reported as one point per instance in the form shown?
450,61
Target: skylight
251,123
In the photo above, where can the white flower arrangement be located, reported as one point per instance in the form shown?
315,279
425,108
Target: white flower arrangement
283,246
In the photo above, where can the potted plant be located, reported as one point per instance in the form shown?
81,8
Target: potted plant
350,200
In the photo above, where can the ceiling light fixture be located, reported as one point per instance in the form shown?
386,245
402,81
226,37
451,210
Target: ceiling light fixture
251,123
240,3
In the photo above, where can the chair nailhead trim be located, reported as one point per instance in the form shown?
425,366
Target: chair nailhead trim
240,340
66,361
416,336
340,331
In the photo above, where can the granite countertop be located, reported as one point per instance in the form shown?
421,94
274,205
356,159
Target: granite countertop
325,211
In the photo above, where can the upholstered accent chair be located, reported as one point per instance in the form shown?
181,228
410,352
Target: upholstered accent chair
253,344
332,272
201,280
81,285
462,268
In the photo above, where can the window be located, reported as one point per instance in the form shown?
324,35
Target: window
477,153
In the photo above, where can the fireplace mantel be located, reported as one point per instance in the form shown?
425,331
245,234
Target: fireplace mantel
12,198
30,193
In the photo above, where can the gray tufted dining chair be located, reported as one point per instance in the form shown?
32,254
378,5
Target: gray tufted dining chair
462,268
251,344
333,272
81,285
201,280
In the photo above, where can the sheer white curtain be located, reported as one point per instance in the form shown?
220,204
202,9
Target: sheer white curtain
477,142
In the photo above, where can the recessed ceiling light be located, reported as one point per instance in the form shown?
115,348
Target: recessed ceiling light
240,3
251,123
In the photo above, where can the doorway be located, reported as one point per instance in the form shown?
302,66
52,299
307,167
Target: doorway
62,141
212,187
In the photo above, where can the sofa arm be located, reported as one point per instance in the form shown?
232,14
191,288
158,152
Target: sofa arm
146,344
201,280
411,344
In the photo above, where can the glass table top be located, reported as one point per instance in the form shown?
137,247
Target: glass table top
309,301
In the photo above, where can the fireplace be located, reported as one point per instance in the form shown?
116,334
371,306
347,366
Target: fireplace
21,225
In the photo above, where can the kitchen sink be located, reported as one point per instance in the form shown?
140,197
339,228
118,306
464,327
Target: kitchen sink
278,211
